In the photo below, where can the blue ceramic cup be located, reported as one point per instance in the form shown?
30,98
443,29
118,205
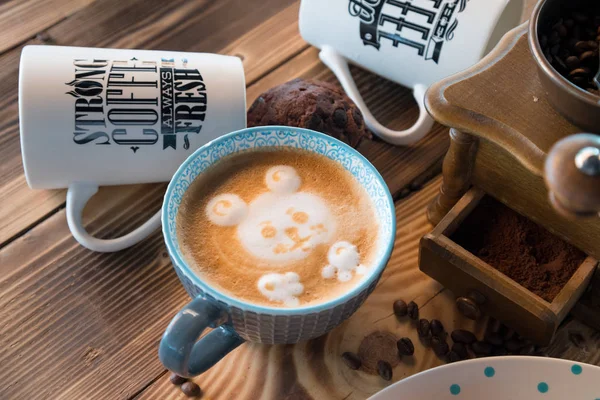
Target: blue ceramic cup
235,320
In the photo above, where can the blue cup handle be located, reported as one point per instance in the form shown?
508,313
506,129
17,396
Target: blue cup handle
181,351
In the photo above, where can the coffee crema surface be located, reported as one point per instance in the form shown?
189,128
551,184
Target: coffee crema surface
278,227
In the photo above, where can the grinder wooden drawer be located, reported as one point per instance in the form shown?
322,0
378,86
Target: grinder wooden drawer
494,293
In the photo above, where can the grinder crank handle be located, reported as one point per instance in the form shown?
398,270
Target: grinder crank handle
572,174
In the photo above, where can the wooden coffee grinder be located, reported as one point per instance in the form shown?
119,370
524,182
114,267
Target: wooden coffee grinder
508,142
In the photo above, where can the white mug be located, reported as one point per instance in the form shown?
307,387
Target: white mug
93,117
411,42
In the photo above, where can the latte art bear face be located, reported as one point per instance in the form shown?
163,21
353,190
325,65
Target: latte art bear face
280,225
278,228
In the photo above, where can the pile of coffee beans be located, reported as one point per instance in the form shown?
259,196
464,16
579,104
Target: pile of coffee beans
498,340
571,46
190,389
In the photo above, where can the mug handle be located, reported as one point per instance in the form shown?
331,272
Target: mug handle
339,66
77,197
181,352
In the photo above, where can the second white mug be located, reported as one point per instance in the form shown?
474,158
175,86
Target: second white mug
411,42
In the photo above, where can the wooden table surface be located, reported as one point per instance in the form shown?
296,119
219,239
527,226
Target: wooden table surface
75,324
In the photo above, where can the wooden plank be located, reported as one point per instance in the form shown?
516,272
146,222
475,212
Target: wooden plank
256,46
20,20
139,24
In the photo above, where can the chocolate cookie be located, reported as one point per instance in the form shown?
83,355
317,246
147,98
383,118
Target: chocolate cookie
311,104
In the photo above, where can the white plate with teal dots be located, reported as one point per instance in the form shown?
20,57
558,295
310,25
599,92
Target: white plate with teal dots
500,378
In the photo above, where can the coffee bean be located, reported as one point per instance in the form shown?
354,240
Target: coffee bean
439,346
468,308
513,345
562,66
176,379
190,389
499,351
340,119
463,336
477,297
351,360
554,39
405,347
482,348
562,30
585,45
554,49
453,357
572,62
384,369
588,56
413,311
437,328
569,23
580,81
579,72
400,308
493,325
461,350
508,334
494,339
423,328
528,350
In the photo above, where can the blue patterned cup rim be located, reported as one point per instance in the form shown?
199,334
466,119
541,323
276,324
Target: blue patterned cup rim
232,301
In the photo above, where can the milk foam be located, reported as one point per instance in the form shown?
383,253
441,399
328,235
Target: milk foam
282,288
281,225
226,210
266,231
282,179
344,260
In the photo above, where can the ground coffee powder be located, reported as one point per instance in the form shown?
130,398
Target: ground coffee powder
519,248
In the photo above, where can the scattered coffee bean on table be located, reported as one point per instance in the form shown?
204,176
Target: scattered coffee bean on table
423,328
351,360
463,336
191,389
514,345
400,308
499,351
528,350
493,338
176,379
571,45
405,347
437,328
461,350
440,347
413,311
482,348
384,369
453,357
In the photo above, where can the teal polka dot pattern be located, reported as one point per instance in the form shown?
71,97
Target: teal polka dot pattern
454,389
543,387
576,369
489,372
